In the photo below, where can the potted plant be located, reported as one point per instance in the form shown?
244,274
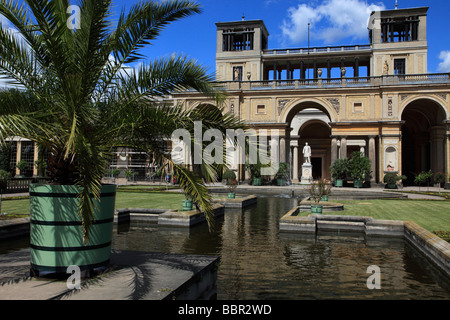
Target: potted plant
338,170
79,104
423,177
187,203
391,179
282,174
358,168
317,191
22,165
228,175
255,173
115,173
439,178
232,186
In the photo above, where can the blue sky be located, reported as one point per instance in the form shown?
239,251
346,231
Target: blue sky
333,22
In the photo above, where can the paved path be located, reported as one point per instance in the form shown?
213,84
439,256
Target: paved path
134,276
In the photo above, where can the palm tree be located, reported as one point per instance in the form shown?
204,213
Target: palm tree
78,100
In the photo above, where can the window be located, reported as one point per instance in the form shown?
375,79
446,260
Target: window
238,39
399,66
400,29
357,107
260,109
237,73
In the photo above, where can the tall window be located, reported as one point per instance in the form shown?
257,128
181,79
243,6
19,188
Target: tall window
27,154
400,29
238,39
399,66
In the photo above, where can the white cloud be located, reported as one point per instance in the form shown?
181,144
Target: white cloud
444,66
331,21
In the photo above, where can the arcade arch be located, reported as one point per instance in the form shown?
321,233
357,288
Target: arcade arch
423,137
309,121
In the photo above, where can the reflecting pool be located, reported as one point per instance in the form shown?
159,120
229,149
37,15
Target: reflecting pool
259,262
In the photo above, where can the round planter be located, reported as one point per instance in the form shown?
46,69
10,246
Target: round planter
231,195
187,205
391,186
339,183
316,209
257,181
281,182
56,237
357,183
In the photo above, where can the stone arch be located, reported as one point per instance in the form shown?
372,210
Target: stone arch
423,135
315,122
318,138
297,105
414,99
203,104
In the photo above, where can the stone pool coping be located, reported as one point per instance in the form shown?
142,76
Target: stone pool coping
433,247
238,202
166,217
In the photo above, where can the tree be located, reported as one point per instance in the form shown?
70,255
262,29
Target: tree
79,99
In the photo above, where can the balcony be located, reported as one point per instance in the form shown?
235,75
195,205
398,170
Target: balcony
314,50
361,82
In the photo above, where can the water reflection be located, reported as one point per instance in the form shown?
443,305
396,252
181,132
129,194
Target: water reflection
259,262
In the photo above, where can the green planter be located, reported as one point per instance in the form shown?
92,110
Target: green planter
316,209
339,183
281,182
187,205
56,237
257,181
391,186
231,195
324,198
357,183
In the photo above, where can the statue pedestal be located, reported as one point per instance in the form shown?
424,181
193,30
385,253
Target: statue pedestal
306,173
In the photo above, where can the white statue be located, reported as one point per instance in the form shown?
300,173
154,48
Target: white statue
307,153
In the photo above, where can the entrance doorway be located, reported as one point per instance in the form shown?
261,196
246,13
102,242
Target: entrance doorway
316,168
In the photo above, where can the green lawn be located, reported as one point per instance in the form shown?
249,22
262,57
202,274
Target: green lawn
431,215
156,200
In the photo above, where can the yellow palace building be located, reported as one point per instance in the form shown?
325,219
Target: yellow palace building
377,98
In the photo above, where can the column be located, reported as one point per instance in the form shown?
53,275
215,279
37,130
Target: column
447,155
328,69
334,151
437,136
36,158
316,75
372,158
295,164
275,72
282,149
302,70
18,156
356,71
343,147
288,71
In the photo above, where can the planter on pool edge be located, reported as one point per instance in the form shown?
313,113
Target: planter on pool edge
317,209
357,183
56,237
231,195
257,181
187,205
